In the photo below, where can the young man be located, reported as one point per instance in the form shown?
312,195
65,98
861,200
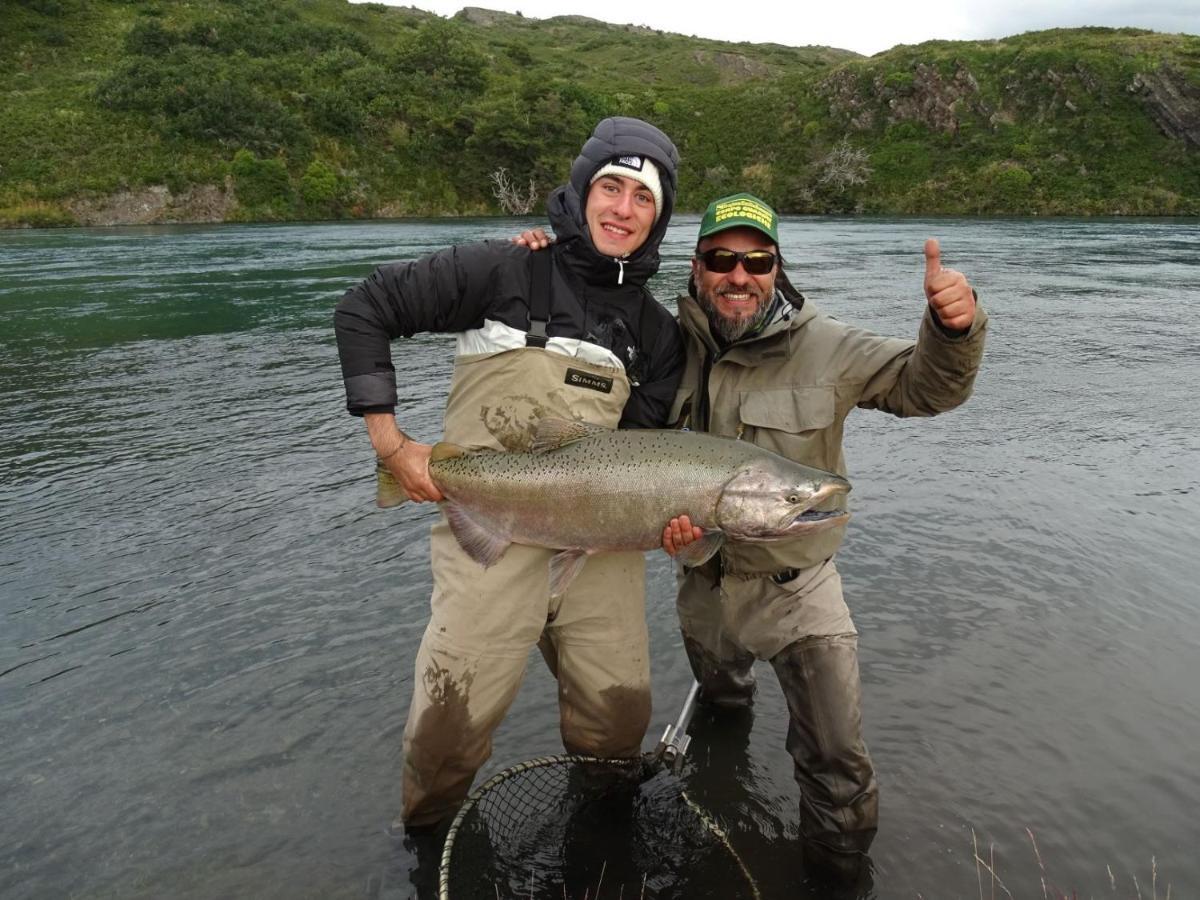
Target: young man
765,365
575,335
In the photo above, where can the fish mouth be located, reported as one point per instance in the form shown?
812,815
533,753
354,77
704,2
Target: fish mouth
809,521
816,520
818,515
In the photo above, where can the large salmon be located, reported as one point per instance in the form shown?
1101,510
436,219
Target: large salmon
585,489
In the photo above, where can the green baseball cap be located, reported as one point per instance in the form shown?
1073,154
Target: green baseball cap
740,211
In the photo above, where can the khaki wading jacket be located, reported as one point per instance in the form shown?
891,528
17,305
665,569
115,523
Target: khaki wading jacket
790,388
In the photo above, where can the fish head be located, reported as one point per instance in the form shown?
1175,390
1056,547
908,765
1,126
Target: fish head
775,498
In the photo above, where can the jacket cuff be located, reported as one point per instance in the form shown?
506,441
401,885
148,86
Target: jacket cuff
946,334
373,390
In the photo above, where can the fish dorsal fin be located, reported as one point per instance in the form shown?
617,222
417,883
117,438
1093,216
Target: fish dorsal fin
444,450
553,433
478,542
564,566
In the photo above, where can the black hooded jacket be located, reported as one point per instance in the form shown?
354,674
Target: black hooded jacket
593,297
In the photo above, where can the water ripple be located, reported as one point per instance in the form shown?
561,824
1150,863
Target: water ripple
207,629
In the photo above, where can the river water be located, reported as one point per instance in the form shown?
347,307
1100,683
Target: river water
207,629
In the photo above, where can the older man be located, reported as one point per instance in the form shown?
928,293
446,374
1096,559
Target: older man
764,364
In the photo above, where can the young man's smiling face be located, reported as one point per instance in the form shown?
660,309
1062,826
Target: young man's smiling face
619,213
734,301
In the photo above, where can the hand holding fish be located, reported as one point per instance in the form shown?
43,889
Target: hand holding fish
407,460
947,291
679,533
410,466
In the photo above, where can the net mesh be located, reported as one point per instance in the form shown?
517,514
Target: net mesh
582,828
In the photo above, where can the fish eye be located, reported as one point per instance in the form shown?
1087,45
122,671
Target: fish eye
793,498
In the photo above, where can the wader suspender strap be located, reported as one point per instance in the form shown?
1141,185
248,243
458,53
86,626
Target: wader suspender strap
539,298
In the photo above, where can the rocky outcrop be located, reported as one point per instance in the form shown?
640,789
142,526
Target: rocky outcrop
155,206
843,91
577,20
1040,95
925,96
1172,101
937,101
476,15
733,67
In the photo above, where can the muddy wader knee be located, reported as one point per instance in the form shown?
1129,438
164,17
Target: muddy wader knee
839,798
596,644
468,670
725,683
722,667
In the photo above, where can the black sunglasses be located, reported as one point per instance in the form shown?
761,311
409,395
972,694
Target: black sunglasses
722,261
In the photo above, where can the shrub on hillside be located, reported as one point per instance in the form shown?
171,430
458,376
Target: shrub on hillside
262,185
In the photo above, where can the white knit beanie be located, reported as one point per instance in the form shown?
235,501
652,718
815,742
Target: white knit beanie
639,168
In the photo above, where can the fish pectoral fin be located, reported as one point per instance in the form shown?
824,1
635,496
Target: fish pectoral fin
700,551
552,433
564,566
478,542
388,491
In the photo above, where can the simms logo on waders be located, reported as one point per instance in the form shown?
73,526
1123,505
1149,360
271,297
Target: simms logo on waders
587,380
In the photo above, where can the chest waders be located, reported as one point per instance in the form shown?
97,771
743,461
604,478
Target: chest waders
483,622
785,606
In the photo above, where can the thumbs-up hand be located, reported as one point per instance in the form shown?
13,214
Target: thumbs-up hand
947,291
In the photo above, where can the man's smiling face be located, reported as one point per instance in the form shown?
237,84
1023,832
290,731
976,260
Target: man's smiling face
620,214
734,301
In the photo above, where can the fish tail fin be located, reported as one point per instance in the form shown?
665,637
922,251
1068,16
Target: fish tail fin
388,491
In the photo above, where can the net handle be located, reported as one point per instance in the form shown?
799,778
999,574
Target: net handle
675,739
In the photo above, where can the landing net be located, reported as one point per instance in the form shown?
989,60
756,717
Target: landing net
581,828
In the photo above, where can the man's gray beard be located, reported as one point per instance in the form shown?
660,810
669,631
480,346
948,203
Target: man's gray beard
731,330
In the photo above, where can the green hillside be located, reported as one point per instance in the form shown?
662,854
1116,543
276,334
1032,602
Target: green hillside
148,110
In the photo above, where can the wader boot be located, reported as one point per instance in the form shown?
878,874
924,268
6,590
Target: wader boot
839,799
425,844
723,668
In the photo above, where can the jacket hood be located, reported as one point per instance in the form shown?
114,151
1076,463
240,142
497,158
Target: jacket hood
613,137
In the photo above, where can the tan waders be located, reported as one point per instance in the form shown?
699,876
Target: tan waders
801,625
484,622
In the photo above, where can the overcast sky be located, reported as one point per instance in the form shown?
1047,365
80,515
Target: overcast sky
865,26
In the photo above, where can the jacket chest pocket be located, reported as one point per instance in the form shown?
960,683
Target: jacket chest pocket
795,422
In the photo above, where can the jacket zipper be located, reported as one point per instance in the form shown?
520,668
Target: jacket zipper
710,359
